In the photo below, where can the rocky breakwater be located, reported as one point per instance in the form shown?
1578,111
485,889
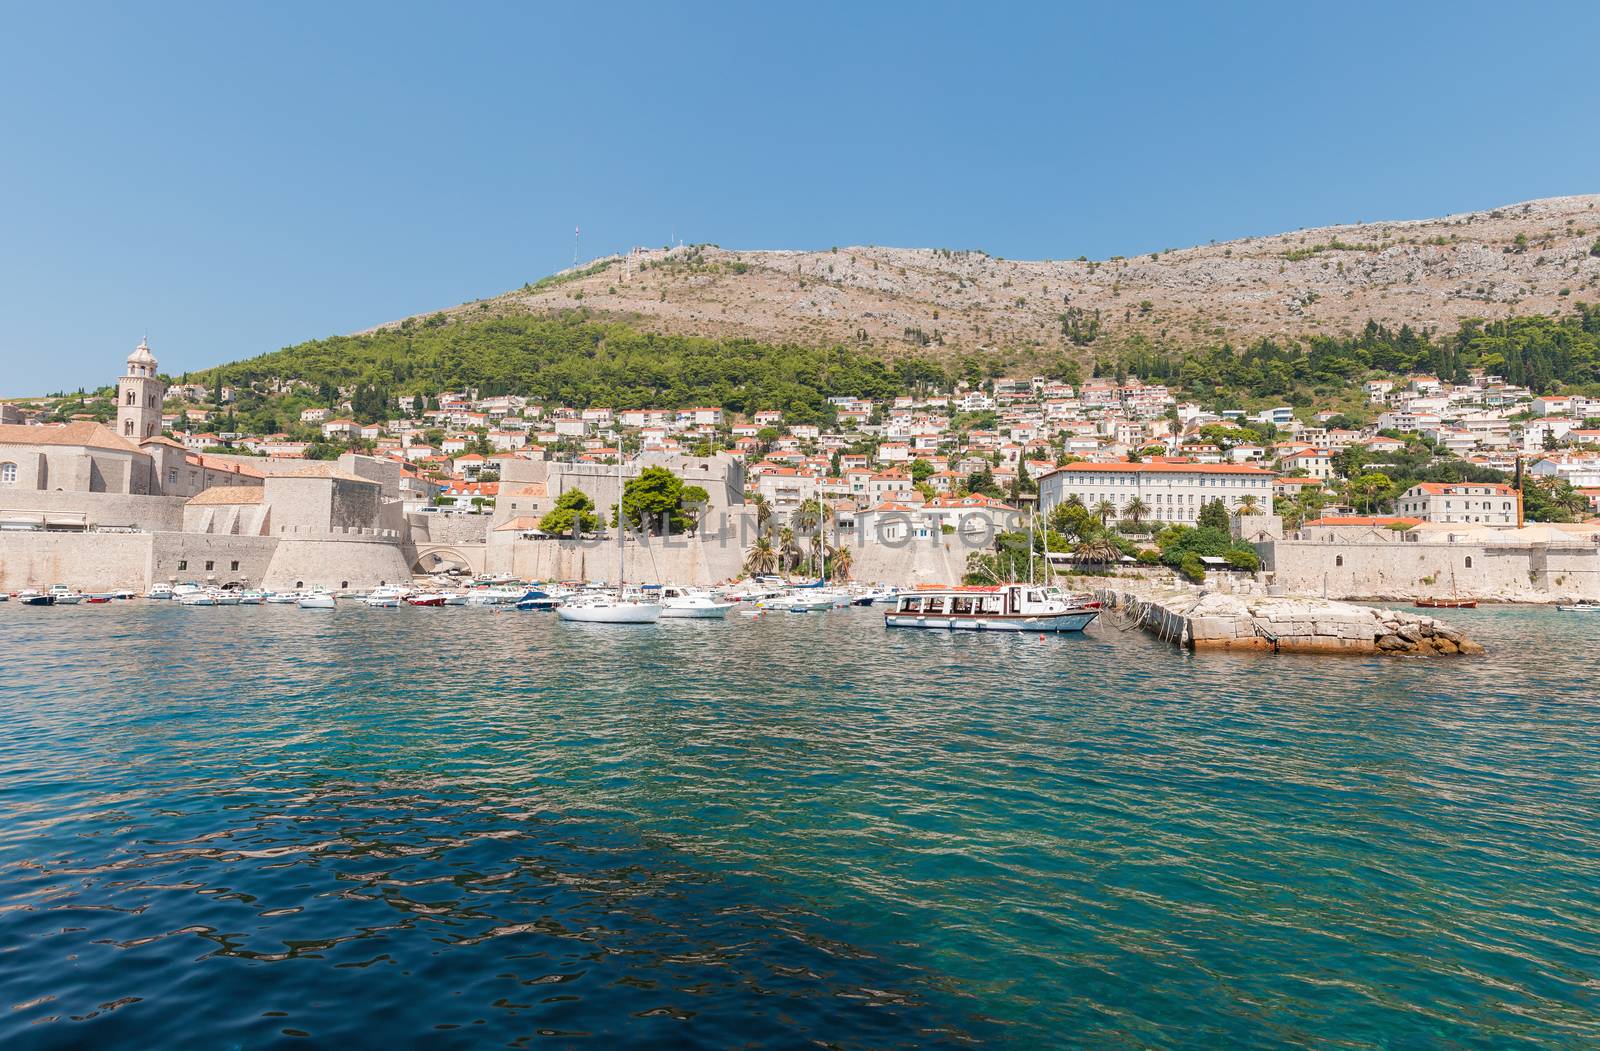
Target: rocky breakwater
1207,621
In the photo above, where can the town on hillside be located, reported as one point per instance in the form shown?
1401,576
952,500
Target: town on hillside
1122,469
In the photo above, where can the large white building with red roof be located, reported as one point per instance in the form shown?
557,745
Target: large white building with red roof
1470,503
1171,491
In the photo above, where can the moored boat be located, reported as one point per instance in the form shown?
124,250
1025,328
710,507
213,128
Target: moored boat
316,600
64,595
1580,607
1001,607
1446,603
160,591
35,598
689,604
425,600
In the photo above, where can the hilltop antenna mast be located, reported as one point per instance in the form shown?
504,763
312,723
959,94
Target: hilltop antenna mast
576,230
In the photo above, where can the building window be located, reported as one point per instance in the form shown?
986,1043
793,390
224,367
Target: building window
210,565
183,563
8,473
234,566
130,397
127,428
1469,561
1338,560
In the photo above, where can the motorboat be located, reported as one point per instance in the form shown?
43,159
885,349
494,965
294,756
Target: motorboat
198,597
123,594
536,600
316,600
1446,603
224,596
97,600
690,604
454,598
251,597
384,597
32,597
495,596
1580,607
64,595
159,591
1001,607
425,600
609,609
282,598
799,600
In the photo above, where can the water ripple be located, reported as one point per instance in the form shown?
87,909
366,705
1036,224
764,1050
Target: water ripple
459,827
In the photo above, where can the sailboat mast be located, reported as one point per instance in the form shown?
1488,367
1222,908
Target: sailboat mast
1030,547
622,524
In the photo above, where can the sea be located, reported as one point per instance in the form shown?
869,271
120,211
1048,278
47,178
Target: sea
243,827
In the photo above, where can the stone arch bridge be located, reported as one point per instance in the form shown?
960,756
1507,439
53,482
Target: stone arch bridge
436,558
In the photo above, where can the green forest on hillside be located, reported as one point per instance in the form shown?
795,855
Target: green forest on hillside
576,360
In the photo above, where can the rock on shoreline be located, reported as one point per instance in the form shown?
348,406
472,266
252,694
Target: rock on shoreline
1204,621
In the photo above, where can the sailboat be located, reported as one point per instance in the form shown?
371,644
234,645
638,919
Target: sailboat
608,608
1455,601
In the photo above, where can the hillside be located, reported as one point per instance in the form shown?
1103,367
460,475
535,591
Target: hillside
1532,258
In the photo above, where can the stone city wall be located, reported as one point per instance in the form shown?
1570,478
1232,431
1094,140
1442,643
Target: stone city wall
111,510
211,558
356,562
85,561
1554,572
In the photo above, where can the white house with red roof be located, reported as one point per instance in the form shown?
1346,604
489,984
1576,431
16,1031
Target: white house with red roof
1477,503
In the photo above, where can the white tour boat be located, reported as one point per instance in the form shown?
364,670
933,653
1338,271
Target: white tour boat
1001,607
162,591
1580,607
316,600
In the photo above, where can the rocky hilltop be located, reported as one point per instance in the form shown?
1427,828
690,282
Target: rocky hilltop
1530,258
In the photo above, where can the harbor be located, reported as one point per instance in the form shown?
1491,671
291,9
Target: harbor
478,818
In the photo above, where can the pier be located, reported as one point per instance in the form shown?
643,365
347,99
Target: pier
1200,620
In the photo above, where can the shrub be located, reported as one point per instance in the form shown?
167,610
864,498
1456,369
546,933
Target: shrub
1191,569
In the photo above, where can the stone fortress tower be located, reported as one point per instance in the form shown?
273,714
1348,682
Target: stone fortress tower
139,396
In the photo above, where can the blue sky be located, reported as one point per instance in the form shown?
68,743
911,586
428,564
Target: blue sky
236,178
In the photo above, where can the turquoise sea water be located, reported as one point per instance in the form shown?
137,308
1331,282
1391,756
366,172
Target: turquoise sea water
247,827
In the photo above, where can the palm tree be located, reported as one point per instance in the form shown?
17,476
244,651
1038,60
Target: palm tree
762,558
789,550
1248,505
763,514
1136,510
1565,496
1105,510
1100,550
839,558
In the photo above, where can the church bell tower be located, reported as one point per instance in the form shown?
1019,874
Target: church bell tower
139,396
